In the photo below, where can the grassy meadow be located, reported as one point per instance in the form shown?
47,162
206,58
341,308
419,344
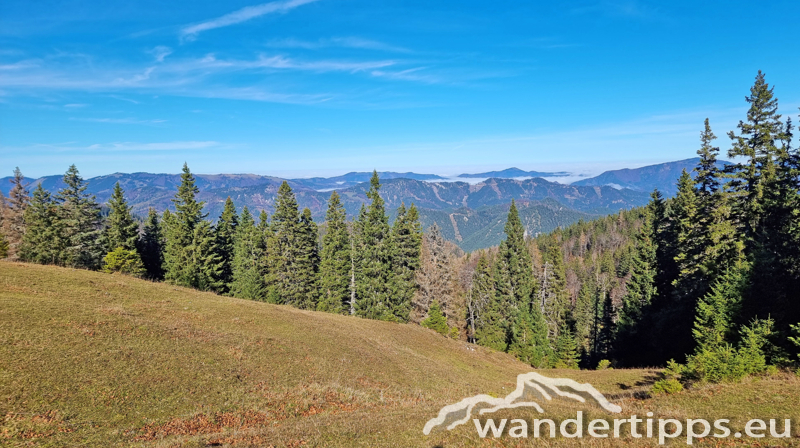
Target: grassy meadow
92,359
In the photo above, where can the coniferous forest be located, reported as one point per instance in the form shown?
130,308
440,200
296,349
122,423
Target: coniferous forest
705,282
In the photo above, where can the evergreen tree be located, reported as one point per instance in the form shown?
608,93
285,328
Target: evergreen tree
436,320
374,276
566,350
42,242
224,233
718,311
483,313
79,215
248,254
707,179
151,247
685,227
632,328
12,211
122,230
336,263
406,242
515,287
307,268
292,253
756,144
190,256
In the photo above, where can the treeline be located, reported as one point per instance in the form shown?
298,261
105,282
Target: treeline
708,278
365,267
716,270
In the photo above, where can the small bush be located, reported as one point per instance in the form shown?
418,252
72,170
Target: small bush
436,320
667,387
674,369
604,364
123,261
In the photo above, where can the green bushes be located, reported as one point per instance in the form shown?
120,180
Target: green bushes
123,261
666,386
725,363
603,364
436,321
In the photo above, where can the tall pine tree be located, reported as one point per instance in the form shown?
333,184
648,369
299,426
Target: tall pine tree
374,273
224,233
122,230
190,257
151,247
79,215
407,246
248,270
336,263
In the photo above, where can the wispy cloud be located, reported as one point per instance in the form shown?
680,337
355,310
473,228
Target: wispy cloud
161,146
160,52
118,120
280,63
342,42
248,13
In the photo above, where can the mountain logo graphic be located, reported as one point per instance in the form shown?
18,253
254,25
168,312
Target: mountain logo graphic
530,386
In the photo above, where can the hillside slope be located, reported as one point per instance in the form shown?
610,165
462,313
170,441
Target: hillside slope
91,359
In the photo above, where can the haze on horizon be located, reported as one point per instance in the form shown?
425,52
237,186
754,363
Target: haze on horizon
301,88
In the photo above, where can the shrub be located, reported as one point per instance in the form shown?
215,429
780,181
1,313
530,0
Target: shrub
123,261
724,363
667,386
436,320
603,364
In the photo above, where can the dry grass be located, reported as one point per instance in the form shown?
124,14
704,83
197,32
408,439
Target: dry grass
91,359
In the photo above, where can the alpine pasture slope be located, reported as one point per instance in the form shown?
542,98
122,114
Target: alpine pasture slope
92,359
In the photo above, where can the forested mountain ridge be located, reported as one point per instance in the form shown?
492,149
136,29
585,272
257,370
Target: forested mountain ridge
662,176
475,209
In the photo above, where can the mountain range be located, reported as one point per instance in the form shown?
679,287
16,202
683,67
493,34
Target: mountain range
471,215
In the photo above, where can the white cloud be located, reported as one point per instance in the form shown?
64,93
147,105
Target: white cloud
343,42
118,120
160,52
250,12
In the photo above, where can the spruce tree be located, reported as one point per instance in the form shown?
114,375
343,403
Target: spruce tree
190,256
224,233
632,325
306,270
12,225
756,144
718,311
122,230
685,225
42,242
406,242
79,215
527,330
247,264
336,262
283,247
151,247
483,313
566,349
436,320
374,274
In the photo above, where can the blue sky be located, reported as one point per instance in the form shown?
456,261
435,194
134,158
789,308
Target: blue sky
321,87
